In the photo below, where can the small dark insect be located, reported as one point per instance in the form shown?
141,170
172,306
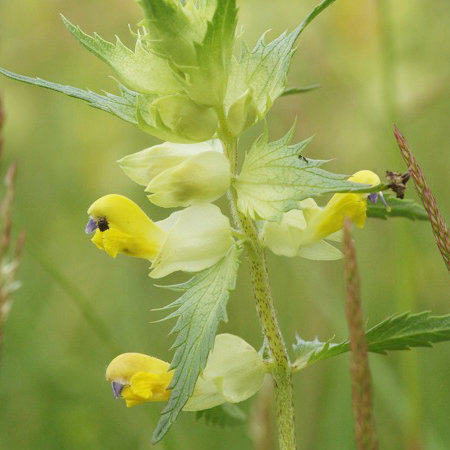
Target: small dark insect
398,182
303,159
102,224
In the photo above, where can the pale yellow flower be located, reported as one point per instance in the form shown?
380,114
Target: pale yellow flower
234,372
304,231
189,240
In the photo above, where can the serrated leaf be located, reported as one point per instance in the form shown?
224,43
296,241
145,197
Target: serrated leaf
264,69
275,177
173,28
208,81
224,415
398,208
398,332
140,70
198,311
123,106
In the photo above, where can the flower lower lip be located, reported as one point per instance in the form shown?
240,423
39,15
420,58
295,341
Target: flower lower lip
117,388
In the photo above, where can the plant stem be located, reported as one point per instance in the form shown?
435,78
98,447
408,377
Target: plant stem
280,368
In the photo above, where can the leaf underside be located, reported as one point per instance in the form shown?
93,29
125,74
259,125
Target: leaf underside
398,332
198,311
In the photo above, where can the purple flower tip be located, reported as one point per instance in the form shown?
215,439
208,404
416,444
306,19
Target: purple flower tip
91,226
117,388
373,197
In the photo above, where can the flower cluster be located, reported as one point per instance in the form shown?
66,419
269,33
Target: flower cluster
195,238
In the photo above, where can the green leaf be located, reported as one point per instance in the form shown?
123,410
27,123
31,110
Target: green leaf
123,106
198,311
207,82
140,70
398,208
398,332
173,28
224,415
264,69
300,90
275,177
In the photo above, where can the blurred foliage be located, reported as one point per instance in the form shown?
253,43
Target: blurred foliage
377,62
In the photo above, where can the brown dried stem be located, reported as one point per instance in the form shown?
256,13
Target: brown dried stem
359,366
438,224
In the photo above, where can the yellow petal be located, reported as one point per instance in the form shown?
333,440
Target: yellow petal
342,206
124,366
128,231
151,386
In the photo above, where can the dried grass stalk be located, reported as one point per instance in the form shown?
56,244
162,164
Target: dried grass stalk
359,366
438,224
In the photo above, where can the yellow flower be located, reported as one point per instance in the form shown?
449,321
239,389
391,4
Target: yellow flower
139,378
122,227
189,240
342,206
234,372
303,231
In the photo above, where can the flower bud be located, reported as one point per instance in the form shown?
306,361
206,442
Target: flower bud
242,114
182,120
180,174
234,372
189,240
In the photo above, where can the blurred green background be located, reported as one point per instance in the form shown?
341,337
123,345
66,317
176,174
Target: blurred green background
378,62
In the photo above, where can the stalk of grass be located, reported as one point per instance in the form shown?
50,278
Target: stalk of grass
10,251
359,366
438,223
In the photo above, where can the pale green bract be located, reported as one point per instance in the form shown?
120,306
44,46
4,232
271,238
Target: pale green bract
140,70
198,311
398,332
263,71
274,177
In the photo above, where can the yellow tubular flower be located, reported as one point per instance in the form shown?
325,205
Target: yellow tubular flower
342,206
303,231
189,240
122,227
234,372
139,378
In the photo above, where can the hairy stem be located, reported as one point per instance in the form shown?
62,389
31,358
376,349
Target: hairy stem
280,367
